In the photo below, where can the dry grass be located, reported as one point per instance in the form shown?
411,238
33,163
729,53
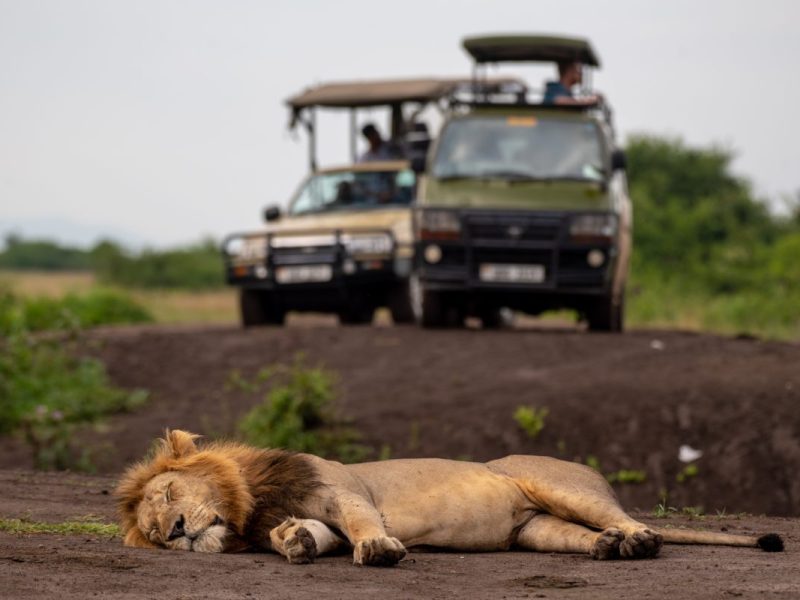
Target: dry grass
177,306
42,283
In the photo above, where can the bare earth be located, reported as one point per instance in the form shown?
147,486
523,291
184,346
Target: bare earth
629,401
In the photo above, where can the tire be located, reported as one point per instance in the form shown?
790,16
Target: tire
429,307
400,304
605,315
259,308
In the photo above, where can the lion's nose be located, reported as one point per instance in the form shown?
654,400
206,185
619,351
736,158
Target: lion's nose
177,529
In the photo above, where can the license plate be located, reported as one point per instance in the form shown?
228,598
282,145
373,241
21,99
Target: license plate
512,273
303,274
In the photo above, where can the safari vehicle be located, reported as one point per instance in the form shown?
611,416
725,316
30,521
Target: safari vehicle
523,205
344,245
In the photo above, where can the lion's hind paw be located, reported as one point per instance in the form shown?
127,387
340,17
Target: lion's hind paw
379,552
641,544
606,546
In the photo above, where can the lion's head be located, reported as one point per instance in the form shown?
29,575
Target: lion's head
220,496
185,498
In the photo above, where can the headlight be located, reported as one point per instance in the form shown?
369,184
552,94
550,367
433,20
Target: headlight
247,248
438,225
593,228
367,244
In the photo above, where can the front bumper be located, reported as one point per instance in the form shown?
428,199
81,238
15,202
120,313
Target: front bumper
523,239
321,276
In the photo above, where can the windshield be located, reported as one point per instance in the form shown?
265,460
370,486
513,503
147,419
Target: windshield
521,147
349,190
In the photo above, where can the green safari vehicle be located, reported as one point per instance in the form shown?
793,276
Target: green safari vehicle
524,205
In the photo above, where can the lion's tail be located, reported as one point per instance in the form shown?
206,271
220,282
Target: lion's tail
770,542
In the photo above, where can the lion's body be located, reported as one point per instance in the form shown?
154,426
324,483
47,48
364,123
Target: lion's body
301,505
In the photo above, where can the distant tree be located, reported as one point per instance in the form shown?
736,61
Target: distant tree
695,220
44,255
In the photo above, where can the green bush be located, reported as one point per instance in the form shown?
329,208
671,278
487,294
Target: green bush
97,307
194,267
297,414
46,391
707,254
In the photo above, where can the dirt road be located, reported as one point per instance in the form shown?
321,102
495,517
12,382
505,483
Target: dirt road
627,402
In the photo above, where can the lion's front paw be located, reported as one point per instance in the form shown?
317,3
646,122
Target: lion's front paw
606,546
301,547
294,541
378,552
642,544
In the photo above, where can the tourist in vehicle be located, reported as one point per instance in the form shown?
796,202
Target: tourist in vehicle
570,74
379,149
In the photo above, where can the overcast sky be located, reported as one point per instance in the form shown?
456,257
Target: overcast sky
161,121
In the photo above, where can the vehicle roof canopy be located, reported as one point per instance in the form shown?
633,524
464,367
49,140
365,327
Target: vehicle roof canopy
356,94
530,48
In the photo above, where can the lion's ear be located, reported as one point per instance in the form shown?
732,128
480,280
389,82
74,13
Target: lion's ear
135,539
180,443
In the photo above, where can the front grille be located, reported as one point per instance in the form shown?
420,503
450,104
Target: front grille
307,256
513,228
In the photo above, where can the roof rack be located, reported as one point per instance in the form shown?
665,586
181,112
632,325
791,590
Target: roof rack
391,93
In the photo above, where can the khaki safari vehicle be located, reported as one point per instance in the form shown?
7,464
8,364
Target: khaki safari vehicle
524,205
344,244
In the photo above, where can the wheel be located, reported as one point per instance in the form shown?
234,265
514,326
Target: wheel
356,314
259,308
429,307
606,315
400,304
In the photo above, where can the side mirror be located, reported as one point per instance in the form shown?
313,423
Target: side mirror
618,160
272,213
418,164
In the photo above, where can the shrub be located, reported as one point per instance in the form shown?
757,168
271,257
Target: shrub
47,391
297,414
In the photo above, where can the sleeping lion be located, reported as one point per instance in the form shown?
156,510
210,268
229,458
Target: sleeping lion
226,496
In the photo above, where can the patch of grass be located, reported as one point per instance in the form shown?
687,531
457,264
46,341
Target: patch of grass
531,419
297,414
623,476
627,476
78,527
687,473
